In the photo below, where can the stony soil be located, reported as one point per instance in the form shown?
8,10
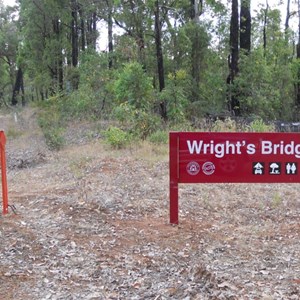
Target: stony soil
92,223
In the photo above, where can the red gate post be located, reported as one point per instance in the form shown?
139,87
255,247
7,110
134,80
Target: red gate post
3,172
174,173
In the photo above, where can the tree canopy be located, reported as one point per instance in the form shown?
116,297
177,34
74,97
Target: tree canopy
177,60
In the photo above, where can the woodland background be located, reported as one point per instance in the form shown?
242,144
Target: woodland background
92,223
168,64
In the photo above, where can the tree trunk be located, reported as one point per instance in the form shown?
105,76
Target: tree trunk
159,58
265,28
58,72
74,32
234,103
92,31
245,26
82,27
19,86
196,7
287,18
298,78
110,36
195,12
298,57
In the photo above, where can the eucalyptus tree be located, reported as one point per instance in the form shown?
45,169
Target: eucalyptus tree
159,56
233,58
132,16
45,44
297,85
54,33
145,23
195,12
288,16
110,32
74,5
9,66
265,76
245,26
85,16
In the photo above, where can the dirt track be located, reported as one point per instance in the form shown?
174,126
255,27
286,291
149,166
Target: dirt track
92,223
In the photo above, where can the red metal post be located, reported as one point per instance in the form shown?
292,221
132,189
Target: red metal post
3,173
174,176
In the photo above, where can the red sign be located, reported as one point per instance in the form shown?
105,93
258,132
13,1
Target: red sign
210,157
3,172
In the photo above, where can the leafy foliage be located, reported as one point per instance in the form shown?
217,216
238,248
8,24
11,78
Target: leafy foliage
138,122
55,44
159,137
259,125
52,127
134,87
116,137
266,91
175,95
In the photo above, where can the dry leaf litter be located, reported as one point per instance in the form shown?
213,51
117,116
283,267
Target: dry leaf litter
92,223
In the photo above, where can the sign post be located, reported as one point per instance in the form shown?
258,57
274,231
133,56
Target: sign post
236,157
3,172
174,176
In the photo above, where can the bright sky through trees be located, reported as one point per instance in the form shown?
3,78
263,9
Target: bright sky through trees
255,5
9,2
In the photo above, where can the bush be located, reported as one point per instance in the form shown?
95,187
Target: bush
50,123
82,103
159,138
54,138
258,125
227,125
88,88
139,122
175,96
124,113
144,124
116,137
134,87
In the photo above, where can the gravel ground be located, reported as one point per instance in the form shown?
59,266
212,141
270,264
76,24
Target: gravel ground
92,223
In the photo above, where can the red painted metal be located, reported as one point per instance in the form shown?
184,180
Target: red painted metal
174,176
3,172
209,157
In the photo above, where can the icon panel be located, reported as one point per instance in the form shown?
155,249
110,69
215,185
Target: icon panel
291,168
258,168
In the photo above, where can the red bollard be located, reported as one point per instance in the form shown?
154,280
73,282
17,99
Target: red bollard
3,172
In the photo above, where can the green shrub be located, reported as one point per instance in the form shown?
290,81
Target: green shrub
258,125
89,88
54,138
175,96
50,123
134,87
138,122
159,137
144,124
124,113
116,137
184,126
227,125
